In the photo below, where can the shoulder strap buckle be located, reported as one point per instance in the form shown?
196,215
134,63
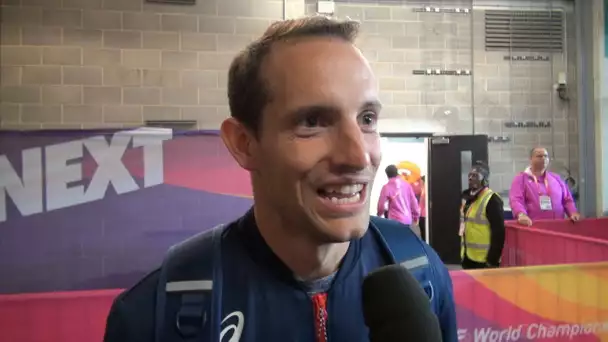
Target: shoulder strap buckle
192,315
188,272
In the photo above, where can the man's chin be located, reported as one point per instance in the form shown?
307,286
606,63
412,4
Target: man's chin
343,230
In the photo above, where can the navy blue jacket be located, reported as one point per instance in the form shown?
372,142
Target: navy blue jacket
261,300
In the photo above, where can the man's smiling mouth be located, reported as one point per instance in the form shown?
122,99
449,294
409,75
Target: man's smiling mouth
343,194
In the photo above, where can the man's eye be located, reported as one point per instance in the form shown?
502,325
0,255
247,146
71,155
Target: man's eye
311,121
368,119
310,125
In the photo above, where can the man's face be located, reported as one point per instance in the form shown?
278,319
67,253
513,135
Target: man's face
540,159
475,179
318,149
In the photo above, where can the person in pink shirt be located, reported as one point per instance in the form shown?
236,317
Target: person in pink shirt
422,206
539,194
398,194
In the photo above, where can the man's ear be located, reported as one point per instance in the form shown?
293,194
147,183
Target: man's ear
240,141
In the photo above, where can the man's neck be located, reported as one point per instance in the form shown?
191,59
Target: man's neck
307,258
537,172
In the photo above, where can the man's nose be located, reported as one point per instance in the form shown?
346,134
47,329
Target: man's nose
350,150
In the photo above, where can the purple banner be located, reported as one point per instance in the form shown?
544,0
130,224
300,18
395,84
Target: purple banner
98,209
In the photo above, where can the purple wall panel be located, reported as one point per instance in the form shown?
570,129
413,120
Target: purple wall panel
111,242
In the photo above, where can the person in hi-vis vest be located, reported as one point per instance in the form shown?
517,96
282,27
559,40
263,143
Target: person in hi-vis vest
482,227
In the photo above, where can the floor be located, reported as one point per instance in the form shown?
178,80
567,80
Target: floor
454,267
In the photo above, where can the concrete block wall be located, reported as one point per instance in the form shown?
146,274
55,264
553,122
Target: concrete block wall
116,63
398,40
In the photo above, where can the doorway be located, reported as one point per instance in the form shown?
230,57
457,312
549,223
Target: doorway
450,159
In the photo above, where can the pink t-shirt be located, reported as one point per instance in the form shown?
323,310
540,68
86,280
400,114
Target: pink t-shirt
402,203
417,187
422,204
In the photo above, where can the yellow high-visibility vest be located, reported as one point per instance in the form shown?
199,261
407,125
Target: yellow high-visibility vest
476,238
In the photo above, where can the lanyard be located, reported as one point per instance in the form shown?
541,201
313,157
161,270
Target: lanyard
546,185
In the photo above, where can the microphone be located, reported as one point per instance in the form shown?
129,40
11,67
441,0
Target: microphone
396,308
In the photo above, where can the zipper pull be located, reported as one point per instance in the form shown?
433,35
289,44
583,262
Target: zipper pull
319,302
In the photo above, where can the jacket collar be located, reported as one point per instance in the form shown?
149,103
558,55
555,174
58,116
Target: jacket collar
528,171
470,195
257,248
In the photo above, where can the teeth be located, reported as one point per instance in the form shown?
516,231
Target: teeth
352,199
344,194
350,189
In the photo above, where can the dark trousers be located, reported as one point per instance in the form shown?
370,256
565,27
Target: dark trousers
468,264
422,225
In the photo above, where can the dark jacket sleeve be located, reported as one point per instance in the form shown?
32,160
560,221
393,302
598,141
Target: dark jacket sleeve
495,215
116,325
445,293
132,316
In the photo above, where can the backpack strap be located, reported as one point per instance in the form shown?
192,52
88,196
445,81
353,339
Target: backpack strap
398,238
188,273
408,250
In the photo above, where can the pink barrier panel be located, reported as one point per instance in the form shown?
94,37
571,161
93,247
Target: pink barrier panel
562,303
595,228
552,303
529,246
55,317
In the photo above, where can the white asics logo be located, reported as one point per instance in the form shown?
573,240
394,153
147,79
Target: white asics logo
237,329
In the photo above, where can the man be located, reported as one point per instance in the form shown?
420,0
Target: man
304,106
483,233
538,194
399,196
422,206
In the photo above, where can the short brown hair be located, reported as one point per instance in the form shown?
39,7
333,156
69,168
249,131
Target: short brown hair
247,91
533,150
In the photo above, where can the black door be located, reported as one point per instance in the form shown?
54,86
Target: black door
451,158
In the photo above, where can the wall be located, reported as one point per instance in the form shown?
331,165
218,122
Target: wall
397,40
601,104
115,63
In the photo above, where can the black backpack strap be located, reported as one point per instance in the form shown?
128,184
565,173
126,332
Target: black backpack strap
407,250
402,242
187,274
